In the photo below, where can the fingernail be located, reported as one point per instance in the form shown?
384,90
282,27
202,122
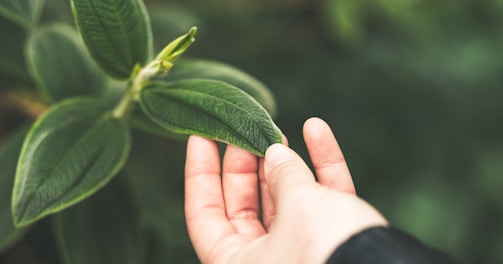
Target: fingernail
277,154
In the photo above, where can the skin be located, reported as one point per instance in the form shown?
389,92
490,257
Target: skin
303,218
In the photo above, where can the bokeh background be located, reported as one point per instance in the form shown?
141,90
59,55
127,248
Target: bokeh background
413,90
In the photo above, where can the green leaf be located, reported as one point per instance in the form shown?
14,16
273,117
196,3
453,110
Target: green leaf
12,62
212,109
60,64
8,159
117,33
188,69
207,69
23,12
102,230
69,153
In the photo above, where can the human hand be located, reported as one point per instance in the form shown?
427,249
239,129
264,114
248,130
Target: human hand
303,220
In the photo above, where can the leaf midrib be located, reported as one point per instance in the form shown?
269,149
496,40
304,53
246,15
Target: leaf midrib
126,61
71,188
232,103
218,117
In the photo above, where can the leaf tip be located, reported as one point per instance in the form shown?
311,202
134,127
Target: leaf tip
177,47
21,220
192,32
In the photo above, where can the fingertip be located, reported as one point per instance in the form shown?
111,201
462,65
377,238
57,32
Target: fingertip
314,119
202,154
194,139
277,154
238,160
315,126
284,169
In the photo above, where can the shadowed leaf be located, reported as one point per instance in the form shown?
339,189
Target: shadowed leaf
103,229
60,64
8,159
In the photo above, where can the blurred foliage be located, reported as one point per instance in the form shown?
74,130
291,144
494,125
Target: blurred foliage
412,89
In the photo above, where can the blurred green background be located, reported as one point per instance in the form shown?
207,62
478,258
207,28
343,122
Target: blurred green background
413,90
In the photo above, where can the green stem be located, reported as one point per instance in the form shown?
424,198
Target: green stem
139,78
130,98
125,106
23,101
159,66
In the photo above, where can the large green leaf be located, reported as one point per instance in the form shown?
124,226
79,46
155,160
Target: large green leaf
207,69
8,159
212,109
60,64
69,153
22,12
103,229
116,32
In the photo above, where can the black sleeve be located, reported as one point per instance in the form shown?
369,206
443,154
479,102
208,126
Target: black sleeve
379,245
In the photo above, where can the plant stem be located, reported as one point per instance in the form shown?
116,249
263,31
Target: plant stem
25,102
125,106
130,98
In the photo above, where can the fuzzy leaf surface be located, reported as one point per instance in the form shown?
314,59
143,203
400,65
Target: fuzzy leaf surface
211,109
103,229
116,32
60,64
207,69
69,153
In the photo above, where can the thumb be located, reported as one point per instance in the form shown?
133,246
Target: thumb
284,170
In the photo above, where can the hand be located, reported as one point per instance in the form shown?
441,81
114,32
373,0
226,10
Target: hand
303,220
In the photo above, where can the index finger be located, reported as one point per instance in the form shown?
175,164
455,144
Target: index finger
204,204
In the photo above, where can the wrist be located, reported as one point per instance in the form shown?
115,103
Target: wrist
355,217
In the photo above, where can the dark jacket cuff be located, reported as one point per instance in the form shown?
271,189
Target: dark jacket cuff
379,245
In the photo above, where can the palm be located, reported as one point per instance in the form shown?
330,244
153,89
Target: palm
222,202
